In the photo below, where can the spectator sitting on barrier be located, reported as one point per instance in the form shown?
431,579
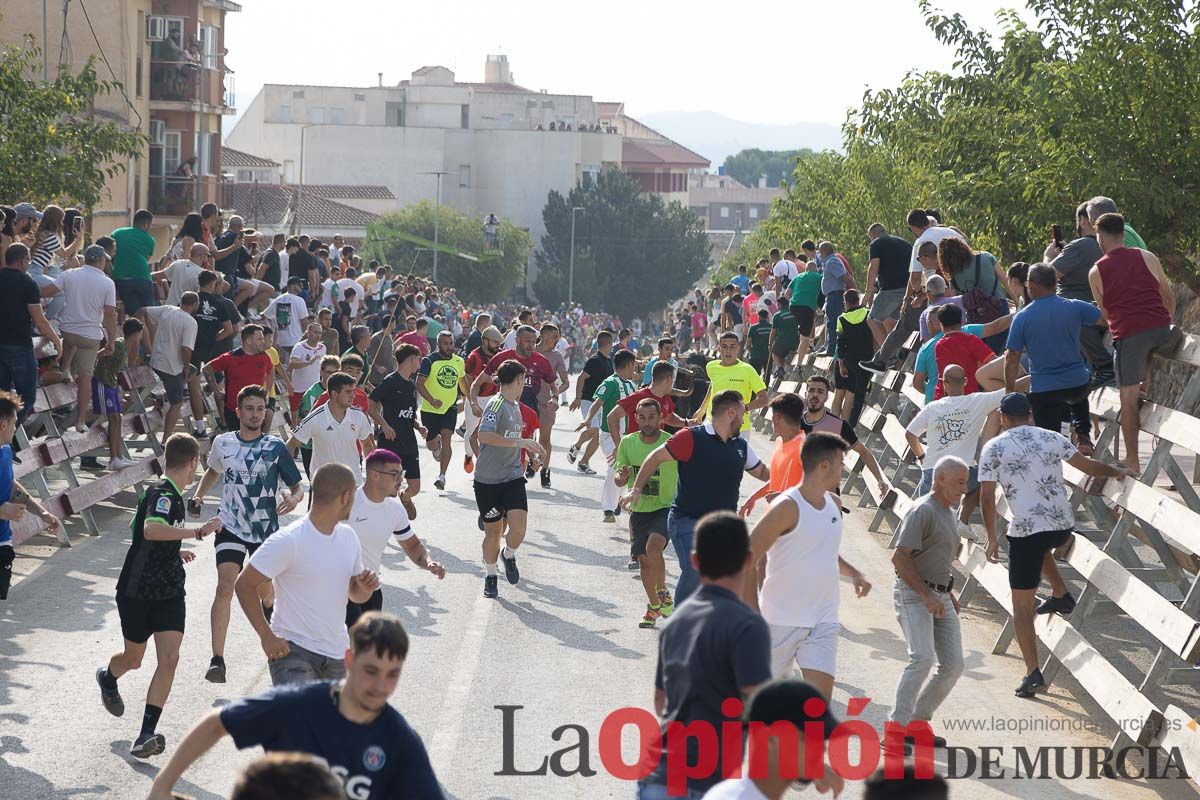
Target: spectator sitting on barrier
1136,301
958,347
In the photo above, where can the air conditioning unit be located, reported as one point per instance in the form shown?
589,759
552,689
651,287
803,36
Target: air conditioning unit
156,29
158,130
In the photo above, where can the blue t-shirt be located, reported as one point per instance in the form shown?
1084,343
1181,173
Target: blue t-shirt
1048,329
650,368
927,361
6,487
382,760
252,472
742,282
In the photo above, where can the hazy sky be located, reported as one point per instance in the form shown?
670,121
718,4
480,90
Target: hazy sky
775,62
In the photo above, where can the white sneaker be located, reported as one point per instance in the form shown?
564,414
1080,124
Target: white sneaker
81,427
121,463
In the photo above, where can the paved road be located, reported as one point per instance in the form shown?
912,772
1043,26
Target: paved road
564,645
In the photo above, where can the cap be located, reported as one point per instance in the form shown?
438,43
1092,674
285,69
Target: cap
792,701
26,211
1015,404
935,284
94,253
493,333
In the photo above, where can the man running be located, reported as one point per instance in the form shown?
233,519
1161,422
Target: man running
648,516
499,482
439,400
537,368
730,372
378,515
623,415
477,359
150,591
787,411
548,396
308,400
248,365
612,389
336,429
394,412
816,418
598,367
251,466
348,724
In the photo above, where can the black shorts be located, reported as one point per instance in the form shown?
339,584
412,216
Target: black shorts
495,500
1026,553
355,610
782,352
856,377
232,549
410,461
141,619
641,525
805,317
435,423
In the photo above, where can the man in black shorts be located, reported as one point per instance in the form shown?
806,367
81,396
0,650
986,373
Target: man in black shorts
150,591
441,381
817,418
214,325
394,411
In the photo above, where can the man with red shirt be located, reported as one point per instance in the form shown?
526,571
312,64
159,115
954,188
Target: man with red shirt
417,336
662,377
537,368
246,366
489,344
353,366
955,347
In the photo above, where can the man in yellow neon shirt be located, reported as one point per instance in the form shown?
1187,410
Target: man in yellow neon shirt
729,372
440,381
787,410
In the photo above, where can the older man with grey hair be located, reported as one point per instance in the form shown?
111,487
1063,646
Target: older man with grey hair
926,607
835,280
183,275
1101,205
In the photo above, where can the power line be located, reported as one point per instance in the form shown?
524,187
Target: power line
104,57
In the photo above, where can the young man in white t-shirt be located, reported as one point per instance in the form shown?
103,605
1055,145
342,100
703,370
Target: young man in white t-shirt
305,364
799,590
315,564
288,314
377,516
926,229
338,430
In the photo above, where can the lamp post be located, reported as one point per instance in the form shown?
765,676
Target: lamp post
571,269
437,217
300,189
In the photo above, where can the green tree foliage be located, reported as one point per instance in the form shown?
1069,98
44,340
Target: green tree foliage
51,145
475,281
633,252
748,165
1093,97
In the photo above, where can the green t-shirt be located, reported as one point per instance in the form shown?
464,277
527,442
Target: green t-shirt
134,249
1132,239
442,375
435,328
759,336
806,287
659,491
109,367
787,335
610,391
307,401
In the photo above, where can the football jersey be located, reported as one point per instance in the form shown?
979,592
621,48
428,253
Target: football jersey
252,472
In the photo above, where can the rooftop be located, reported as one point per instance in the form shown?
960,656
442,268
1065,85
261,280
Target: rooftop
651,153
266,206
238,158
350,191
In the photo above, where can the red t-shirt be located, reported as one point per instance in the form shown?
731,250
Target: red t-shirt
242,370
537,370
476,361
529,425
964,349
361,401
666,406
414,338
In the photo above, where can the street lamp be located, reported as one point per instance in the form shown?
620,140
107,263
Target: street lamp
571,271
300,190
437,215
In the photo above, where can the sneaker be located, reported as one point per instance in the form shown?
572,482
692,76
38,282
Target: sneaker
874,365
545,479
437,450
409,506
572,454
633,565
666,604
216,670
510,569
585,469
468,465
529,470
491,586
148,744
1031,685
650,617
610,516
121,463
90,462
440,483
461,431
1057,605
111,698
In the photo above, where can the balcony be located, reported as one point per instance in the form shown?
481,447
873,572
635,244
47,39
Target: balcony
175,196
175,81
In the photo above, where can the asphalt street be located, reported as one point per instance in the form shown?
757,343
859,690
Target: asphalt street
560,649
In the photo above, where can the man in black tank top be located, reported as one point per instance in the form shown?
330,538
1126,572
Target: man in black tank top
817,418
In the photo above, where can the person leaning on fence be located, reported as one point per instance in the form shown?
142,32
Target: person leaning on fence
1026,461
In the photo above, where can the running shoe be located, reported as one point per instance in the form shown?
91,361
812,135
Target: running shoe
666,604
650,617
1031,685
440,483
633,565
585,469
148,744
545,479
436,450
491,586
468,464
874,365
121,463
510,568
610,516
216,670
462,431
1057,605
573,453
111,698
89,462
529,472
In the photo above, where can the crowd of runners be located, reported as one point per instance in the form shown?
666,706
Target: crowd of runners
371,367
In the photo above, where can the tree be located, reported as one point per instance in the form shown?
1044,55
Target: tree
489,280
747,166
633,253
52,146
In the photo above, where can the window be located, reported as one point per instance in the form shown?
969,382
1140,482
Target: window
394,114
359,97
464,176
316,115
289,171
175,31
171,155
724,212
297,94
336,116
245,176
207,149
466,116
208,46
753,212
285,113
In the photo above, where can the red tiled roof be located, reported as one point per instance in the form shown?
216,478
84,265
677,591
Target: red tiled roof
237,158
266,206
352,191
650,153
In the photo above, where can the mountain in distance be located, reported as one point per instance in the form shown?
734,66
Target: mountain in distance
716,136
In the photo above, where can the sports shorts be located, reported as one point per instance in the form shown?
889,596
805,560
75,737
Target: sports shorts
641,525
233,549
495,500
141,619
436,422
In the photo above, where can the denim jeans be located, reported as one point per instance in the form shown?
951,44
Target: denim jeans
929,639
658,791
305,666
910,321
835,304
680,529
18,371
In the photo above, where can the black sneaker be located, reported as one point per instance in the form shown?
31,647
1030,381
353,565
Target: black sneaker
610,516
491,586
529,472
1057,605
148,744
874,365
440,483
111,698
510,568
461,431
1031,685
572,454
545,479
89,462
585,469
216,670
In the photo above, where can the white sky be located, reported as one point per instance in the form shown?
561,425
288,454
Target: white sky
766,62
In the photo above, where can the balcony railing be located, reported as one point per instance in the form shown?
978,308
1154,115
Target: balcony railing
176,195
175,81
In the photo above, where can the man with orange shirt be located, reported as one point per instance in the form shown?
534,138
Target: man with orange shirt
787,410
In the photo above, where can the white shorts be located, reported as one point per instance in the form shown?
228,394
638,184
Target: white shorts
257,284
585,406
807,648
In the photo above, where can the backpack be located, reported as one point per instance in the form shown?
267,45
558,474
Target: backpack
981,307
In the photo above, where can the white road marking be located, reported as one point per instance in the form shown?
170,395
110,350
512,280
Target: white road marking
454,701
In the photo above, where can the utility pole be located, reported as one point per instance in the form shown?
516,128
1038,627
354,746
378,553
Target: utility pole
300,188
437,216
571,271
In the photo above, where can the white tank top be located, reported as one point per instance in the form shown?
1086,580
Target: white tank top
802,586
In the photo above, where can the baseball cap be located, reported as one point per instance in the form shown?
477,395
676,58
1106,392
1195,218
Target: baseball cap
94,253
935,284
793,701
1015,404
493,333
26,210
